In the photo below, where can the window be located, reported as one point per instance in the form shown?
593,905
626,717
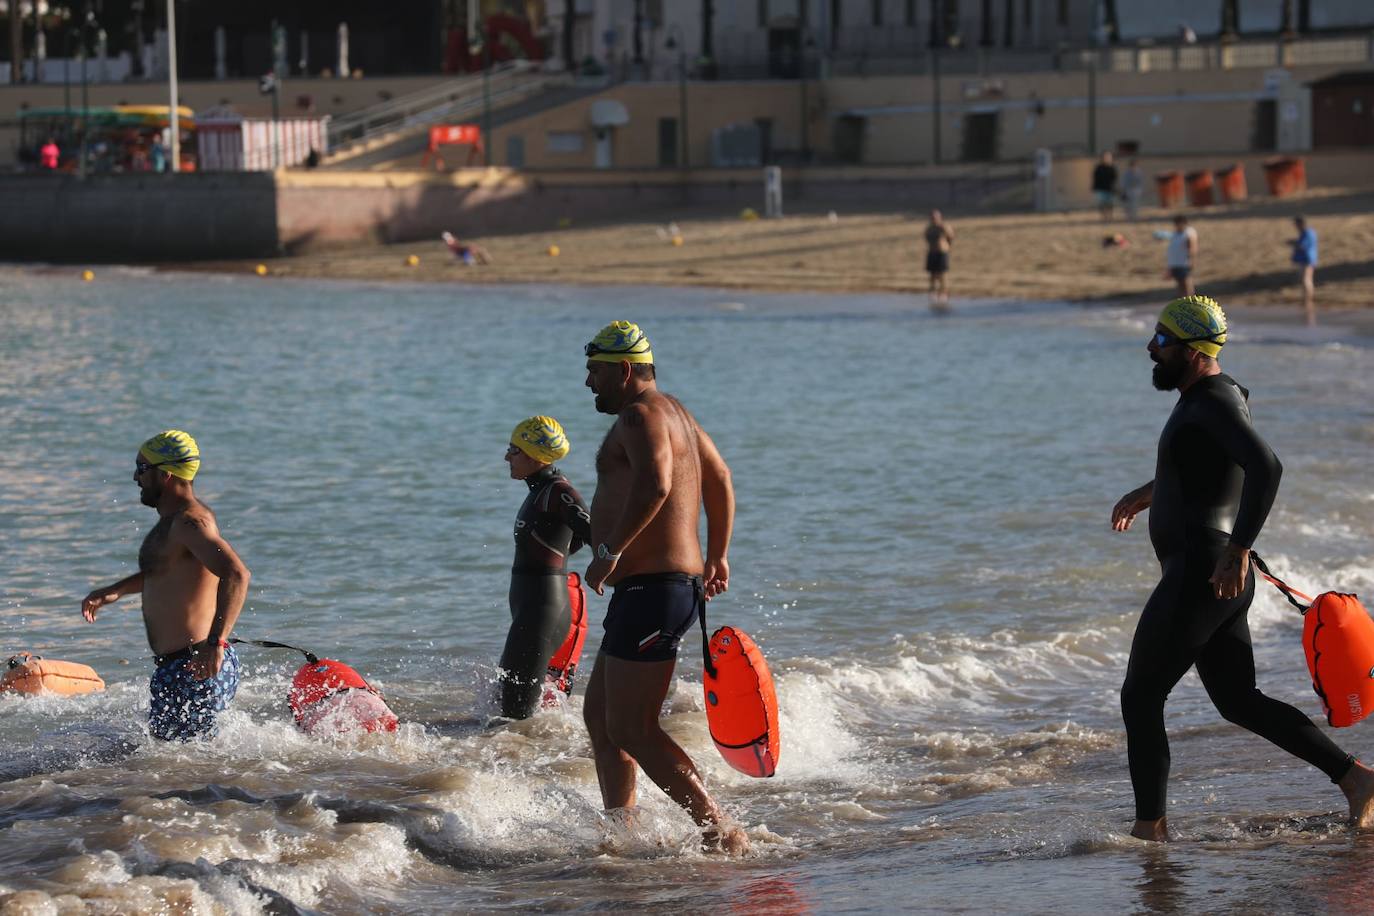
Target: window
877,6
565,141
515,151
910,13
763,14
1062,14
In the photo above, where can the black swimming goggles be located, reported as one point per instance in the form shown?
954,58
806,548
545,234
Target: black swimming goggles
593,349
143,466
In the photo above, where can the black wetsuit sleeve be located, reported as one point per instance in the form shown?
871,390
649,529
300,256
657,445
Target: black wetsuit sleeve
576,517
1231,429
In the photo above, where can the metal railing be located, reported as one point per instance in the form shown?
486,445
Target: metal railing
434,104
867,52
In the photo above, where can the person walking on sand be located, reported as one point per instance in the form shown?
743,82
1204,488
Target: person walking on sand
1305,256
1104,185
1181,255
1215,481
193,585
1132,187
655,471
939,239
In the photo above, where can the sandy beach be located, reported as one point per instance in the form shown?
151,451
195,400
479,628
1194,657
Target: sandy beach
1243,254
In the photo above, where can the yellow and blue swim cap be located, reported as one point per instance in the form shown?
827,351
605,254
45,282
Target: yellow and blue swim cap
173,451
620,341
1193,317
542,438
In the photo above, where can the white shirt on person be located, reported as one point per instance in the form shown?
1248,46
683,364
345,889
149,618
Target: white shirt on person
1177,255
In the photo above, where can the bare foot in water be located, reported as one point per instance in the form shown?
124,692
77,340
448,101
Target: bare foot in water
1358,786
1154,831
726,838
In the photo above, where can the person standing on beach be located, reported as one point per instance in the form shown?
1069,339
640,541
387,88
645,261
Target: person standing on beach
654,472
1132,187
939,239
1104,185
193,585
1181,255
1305,256
1215,481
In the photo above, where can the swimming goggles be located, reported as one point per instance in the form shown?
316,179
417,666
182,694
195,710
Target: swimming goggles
592,349
1163,340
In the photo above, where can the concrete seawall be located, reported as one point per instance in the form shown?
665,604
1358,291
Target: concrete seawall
137,218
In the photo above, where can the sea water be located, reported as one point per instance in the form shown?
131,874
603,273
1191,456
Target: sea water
922,550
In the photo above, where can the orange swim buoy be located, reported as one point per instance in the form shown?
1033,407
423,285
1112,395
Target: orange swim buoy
1338,639
741,705
329,697
563,665
34,674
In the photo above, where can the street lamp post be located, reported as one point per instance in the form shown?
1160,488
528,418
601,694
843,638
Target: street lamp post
675,42
85,101
486,99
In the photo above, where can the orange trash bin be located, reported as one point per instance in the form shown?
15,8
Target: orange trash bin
1169,187
1285,175
1200,188
1231,181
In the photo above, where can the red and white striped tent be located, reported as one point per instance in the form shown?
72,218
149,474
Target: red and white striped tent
226,142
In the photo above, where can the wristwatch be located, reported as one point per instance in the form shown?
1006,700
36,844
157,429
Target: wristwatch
604,553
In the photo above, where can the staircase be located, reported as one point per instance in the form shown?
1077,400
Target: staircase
400,127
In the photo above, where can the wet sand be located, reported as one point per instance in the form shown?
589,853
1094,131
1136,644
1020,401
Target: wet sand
1243,254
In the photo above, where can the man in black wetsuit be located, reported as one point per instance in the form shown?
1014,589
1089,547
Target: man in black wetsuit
1215,480
552,524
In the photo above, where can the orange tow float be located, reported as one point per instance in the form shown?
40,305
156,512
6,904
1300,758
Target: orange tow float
1338,638
741,704
34,674
563,665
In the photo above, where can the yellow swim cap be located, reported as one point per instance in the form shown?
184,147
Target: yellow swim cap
1196,317
173,451
541,438
620,341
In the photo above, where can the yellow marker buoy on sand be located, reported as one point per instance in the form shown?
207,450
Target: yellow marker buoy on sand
553,251
748,213
88,275
677,241
412,260
260,270
564,222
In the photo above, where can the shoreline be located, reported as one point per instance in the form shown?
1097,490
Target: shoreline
1242,257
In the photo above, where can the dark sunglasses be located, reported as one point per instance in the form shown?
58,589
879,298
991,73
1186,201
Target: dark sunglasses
592,349
1163,340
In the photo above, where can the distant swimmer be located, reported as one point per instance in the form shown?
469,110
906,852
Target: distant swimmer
656,469
193,586
551,525
939,239
1215,481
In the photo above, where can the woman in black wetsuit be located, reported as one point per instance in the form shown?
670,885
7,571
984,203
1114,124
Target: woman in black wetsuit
552,524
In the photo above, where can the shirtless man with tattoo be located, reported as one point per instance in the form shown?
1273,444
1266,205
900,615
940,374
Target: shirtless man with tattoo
193,586
654,472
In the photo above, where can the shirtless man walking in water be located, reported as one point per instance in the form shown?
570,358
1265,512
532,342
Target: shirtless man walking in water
654,472
193,586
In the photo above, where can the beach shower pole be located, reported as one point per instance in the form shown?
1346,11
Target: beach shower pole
173,121
1092,102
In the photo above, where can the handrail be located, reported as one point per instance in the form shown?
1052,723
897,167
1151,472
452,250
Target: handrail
384,116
